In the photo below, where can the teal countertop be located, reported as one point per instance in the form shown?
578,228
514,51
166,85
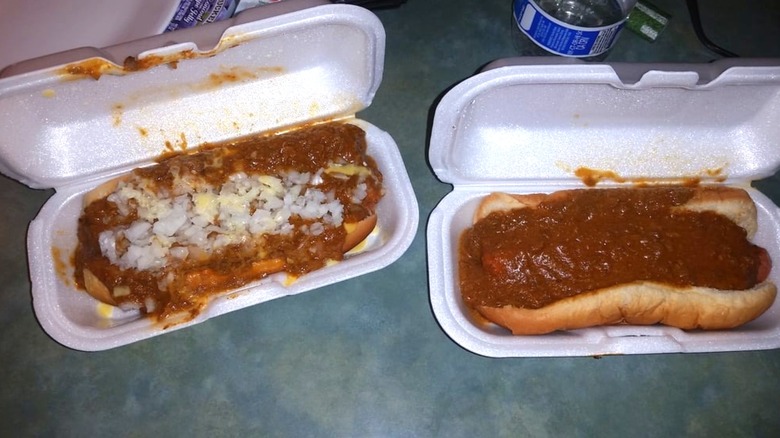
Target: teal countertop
366,357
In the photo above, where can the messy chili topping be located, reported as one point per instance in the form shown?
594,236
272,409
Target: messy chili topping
170,236
592,239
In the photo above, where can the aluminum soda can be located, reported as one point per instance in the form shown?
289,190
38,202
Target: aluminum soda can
574,28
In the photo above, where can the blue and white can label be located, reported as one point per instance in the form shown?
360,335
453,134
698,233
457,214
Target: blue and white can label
562,38
191,13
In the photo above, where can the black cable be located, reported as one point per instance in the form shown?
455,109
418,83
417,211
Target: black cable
693,10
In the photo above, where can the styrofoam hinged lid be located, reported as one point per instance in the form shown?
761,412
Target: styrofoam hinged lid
527,125
197,85
520,122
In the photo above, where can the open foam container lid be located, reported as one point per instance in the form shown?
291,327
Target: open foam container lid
205,84
268,69
527,125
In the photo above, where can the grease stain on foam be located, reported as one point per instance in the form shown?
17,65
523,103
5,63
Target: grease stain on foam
135,106
717,173
591,177
237,74
95,68
117,111
233,295
578,120
226,75
91,68
61,266
49,93
177,145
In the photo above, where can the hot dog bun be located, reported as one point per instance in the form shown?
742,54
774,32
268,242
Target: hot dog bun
166,238
642,302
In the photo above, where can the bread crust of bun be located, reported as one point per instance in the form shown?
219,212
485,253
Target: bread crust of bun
641,303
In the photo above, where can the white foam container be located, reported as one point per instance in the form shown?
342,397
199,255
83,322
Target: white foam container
273,68
525,125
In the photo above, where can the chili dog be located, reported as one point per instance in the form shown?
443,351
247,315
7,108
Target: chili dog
677,256
165,239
